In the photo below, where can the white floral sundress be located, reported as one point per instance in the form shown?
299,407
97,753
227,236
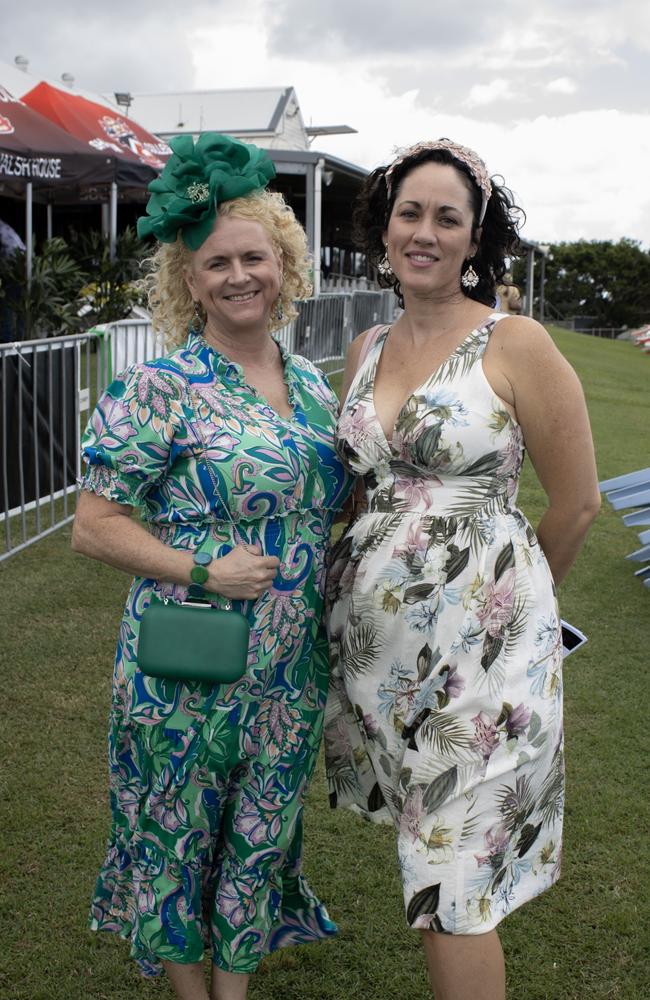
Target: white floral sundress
445,707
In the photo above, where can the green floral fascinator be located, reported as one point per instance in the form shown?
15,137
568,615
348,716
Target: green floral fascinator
195,180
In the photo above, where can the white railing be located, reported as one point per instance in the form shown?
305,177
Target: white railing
49,387
347,283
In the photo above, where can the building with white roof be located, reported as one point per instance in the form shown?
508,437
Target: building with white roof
268,116
320,188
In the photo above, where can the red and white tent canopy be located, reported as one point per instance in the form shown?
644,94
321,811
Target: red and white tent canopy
34,149
139,154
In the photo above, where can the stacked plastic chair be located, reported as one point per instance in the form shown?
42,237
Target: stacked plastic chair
633,490
641,338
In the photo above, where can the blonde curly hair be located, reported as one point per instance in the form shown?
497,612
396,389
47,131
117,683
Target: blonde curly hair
168,296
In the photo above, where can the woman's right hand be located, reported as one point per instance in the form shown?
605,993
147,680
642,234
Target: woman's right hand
244,574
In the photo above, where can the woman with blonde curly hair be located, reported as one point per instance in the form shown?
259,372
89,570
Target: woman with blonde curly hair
226,446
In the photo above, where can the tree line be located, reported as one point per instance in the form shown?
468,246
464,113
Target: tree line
604,280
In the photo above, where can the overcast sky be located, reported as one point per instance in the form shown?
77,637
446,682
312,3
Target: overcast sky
554,94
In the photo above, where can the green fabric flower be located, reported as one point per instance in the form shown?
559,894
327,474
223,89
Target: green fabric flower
195,180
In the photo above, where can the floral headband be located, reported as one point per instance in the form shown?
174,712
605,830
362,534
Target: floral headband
463,154
196,179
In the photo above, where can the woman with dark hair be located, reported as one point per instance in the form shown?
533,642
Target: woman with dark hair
445,711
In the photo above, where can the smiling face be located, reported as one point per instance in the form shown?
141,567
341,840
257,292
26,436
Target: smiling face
431,230
236,276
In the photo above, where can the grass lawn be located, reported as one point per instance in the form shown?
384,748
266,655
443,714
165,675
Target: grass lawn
588,938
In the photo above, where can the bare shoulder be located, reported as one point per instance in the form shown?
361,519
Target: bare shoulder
521,334
352,361
520,343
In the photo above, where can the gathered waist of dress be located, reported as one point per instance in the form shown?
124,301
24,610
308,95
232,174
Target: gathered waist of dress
191,520
439,497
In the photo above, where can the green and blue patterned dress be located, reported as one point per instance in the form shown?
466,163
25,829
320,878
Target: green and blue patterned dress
207,783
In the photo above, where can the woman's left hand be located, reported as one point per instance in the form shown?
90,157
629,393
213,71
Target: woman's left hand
243,574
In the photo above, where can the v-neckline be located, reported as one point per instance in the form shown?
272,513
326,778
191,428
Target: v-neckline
233,372
418,388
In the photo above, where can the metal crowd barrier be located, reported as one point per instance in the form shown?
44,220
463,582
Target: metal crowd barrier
49,387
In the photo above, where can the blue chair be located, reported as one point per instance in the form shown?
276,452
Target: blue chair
640,478
633,490
641,554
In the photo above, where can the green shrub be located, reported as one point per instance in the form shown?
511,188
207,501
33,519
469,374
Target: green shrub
73,285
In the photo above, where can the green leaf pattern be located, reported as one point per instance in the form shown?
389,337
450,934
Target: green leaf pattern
207,782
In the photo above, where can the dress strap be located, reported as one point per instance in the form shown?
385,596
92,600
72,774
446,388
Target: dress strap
484,332
369,342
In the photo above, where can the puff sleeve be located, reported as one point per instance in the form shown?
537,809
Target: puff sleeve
128,443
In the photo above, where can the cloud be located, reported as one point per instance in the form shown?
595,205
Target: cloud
400,73
563,167
106,47
562,85
586,30
481,94
371,26
568,174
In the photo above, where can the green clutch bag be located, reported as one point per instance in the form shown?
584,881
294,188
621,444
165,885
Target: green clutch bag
192,642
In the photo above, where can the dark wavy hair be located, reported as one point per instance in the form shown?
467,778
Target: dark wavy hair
499,229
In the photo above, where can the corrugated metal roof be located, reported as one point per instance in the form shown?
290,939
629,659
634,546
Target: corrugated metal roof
255,110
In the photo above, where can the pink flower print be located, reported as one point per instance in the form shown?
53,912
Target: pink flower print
222,446
146,898
511,463
510,457
288,617
496,840
496,612
411,819
486,738
170,814
281,618
213,397
156,394
417,492
454,684
259,819
279,727
119,426
250,824
352,426
129,800
518,720
234,901
415,544
370,725
249,745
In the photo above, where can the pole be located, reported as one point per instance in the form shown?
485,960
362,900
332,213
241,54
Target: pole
29,235
309,206
542,282
49,220
112,237
318,204
530,281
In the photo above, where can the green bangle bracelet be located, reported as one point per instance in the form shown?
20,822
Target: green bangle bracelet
199,572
